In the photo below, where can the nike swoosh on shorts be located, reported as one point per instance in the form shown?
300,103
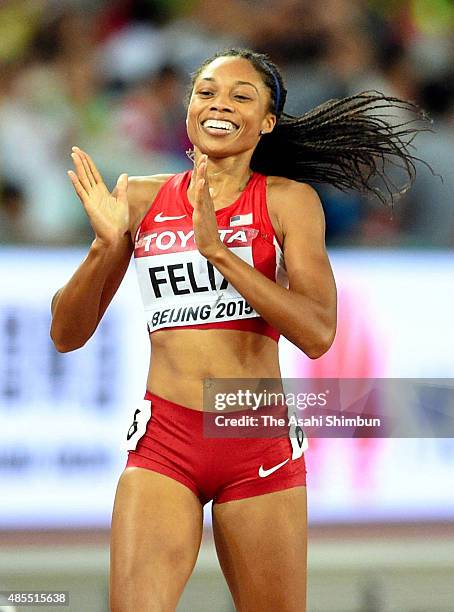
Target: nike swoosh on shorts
263,473
159,218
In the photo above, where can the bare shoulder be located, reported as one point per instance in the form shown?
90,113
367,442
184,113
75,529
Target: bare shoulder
295,193
145,188
142,191
293,204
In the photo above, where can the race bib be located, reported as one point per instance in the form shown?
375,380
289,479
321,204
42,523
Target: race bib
181,287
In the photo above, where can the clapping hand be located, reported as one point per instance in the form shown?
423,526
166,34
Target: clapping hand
204,217
108,212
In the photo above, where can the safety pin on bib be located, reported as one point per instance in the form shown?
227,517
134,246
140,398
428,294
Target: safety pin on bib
220,296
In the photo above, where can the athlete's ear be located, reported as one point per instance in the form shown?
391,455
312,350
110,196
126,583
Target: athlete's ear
268,124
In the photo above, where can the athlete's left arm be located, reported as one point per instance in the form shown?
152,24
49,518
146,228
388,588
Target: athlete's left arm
305,313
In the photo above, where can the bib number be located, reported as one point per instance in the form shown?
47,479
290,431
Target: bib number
298,439
138,426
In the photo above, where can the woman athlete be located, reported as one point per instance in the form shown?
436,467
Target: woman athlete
200,238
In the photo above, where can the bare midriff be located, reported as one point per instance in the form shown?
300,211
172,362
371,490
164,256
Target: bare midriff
181,360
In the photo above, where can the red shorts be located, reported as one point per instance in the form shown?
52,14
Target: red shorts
168,438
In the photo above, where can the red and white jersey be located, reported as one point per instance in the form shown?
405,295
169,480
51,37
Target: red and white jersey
181,288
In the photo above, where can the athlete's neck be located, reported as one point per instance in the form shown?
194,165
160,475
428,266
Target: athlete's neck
226,177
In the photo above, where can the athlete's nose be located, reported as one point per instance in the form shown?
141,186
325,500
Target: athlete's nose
221,104
221,108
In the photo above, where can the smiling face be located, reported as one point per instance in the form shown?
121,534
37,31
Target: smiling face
229,106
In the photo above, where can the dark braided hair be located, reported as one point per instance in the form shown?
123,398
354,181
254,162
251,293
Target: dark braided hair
346,142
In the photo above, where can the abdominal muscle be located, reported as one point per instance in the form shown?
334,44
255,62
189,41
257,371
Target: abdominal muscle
182,359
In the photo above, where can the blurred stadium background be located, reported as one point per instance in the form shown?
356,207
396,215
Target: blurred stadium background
111,78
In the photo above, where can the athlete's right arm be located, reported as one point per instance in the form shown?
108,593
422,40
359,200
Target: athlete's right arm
78,307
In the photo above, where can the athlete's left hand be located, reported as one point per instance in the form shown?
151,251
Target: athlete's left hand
205,226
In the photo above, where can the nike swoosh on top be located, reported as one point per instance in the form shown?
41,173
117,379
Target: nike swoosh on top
159,218
263,473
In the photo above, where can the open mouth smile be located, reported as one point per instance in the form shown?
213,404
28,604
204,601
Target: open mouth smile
217,127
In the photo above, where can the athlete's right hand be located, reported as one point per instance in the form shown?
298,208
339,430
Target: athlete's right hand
108,212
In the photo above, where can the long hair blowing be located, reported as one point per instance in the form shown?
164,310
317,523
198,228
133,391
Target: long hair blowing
350,143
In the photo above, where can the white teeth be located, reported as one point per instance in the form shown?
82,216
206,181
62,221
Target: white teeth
221,125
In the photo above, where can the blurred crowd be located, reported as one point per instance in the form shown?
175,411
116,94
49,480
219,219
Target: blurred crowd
111,75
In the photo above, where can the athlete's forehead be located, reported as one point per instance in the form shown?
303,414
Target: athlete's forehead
233,70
